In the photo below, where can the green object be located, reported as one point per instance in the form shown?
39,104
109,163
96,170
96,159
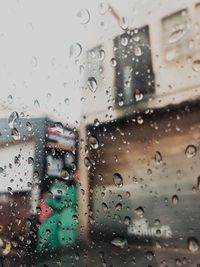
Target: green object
61,228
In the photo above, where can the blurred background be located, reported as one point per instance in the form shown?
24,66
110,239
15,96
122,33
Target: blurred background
100,133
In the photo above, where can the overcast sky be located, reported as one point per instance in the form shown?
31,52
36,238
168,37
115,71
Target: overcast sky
35,37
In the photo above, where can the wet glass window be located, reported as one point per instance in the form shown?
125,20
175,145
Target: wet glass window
100,133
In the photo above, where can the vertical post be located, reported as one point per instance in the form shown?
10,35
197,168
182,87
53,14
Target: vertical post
83,187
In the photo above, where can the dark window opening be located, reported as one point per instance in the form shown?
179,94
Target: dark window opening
134,76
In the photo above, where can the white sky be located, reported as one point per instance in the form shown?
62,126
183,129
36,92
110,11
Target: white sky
34,55
35,36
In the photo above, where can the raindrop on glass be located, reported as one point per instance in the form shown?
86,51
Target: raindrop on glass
113,62
119,242
118,207
29,126
124,23
15,134
190,151
36,103
138,51
175,199
83,16
140,120
176,35
101,54
118,180
66,101
193,245
96,122
12,119
75,50
92,84
139,211
196,65
10,99
149,255
87,163
35,174
103,7
124,40
158,157
93,142
30,160
104,206
127,220
138,96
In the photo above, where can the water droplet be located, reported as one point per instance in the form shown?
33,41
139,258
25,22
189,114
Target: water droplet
75,50
121,103
12,119
29,126
96,122
10,99
92,84
17,159
138,51
30,160
35,174
87,163
83,16
119,242
118,180
59,127
103,8
91,220
149,172
176,35
178,262
138,96
75,218
76,256
139,211
93,142
49,96
124,23
196,65
175,199
66,101
190,151
104,206
15,134
193,245
158,157
140,120
149,255
118,207
157,222
14,243
113,62
38,210
101,54
124,40
127,220
36,103
100,176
